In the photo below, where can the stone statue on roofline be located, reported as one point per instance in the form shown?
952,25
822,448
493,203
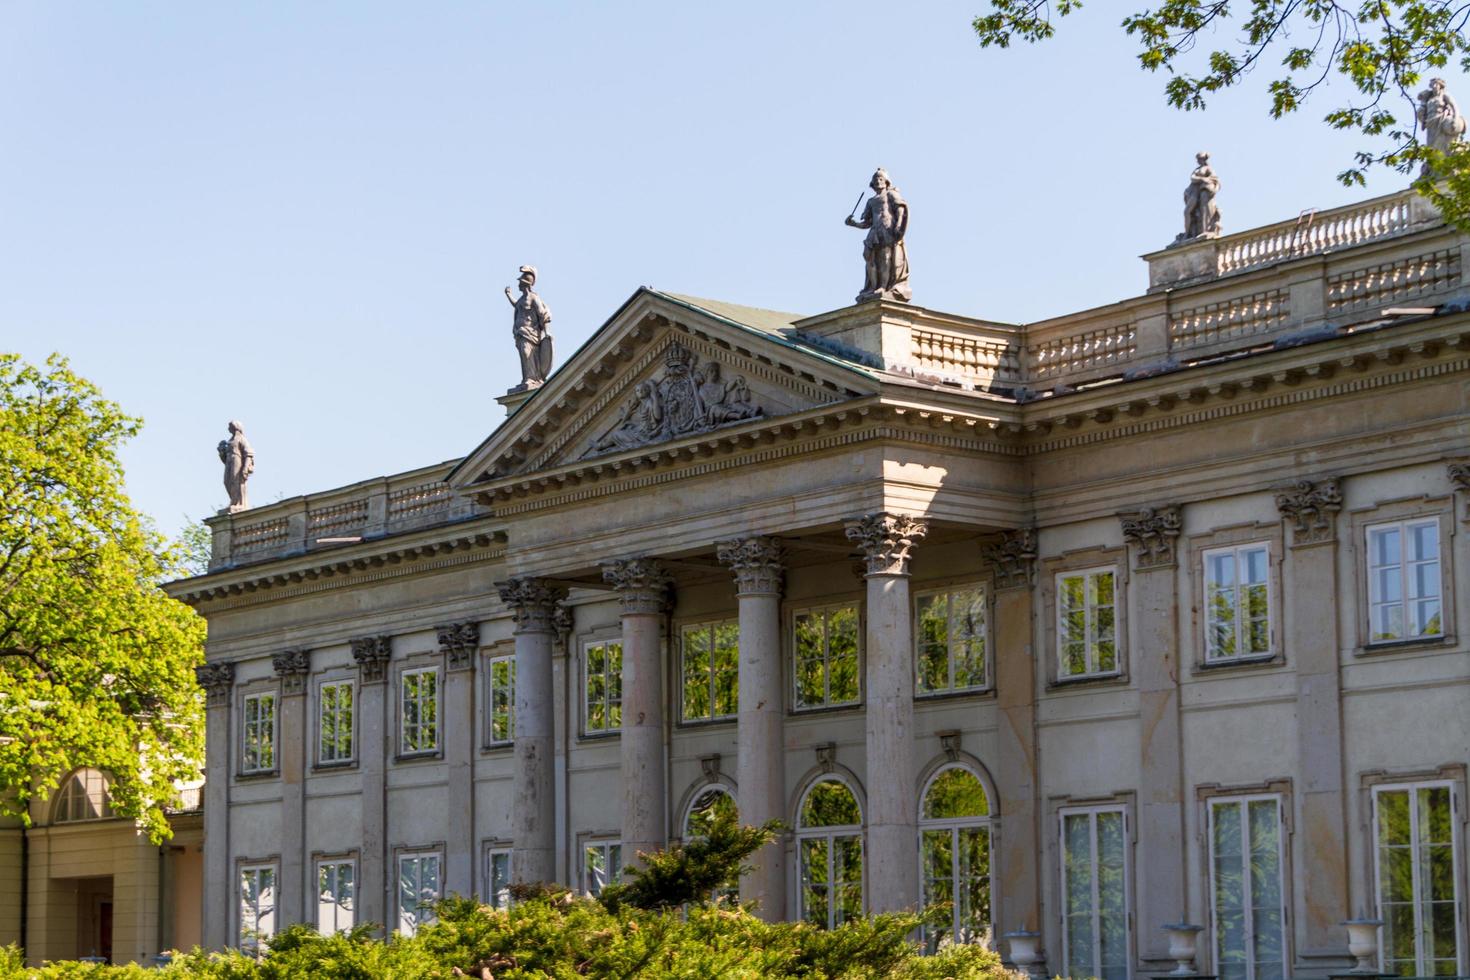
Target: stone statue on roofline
1201,213
531,329
886,218
239,460
1440,117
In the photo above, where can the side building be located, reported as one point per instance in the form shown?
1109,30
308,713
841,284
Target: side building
1141,615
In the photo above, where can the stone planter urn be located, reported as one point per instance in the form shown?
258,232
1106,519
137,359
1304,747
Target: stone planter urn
1363,943
1183,938
1024,949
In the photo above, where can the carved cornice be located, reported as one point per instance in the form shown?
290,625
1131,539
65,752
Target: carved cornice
1312,509
458,642
1153,531
1014,559
217,681
372,654
886,540
292,667
756,562
642,584
533,603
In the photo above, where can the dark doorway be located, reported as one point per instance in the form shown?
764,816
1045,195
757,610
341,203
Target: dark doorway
104,931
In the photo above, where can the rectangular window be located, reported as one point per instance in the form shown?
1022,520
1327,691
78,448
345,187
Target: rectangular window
336,891
503,698
1404,581
497,873
710,654
257,906
602,685
1418,863
1237,603
602,865
1248,900
1087,623
419,711
334,720
949,640
1094,893
418,890
825,643
259,753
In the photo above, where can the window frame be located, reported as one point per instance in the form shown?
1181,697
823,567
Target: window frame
987,601
1119,671
1283,831
321,728
1273,639
954,825
604,844
1092,810
494,849
1411,510
583,713
830,833
336,861
1457,857
491,742
65,797
414,854
420,670
242,868
1403,525
246,698
825,608
711,625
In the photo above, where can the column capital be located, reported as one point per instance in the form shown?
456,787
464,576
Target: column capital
642,584
532,602
217,681
1154,531
756,562
1312,509
458,642
292,666
372,654
1013,558
886,540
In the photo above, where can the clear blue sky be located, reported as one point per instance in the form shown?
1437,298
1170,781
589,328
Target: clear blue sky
303,215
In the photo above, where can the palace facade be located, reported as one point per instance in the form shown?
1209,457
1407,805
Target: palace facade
1136,616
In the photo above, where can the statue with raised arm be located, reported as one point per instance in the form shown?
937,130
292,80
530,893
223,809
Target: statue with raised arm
239,460
1440,117
886,218
1201,213
532,331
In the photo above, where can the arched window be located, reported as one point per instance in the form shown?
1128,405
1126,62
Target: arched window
83,797
954,855
709,805
829,841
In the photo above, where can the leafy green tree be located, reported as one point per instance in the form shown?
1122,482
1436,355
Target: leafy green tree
1386,50
96,663
195,543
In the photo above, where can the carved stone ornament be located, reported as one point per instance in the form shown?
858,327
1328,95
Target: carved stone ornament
690,398
292,667
756,563
532,603
1312,509
1154,531
1459,473
827,756
1013,559
886,540
710,766
458,642
642,584
372,654
949,740
217,680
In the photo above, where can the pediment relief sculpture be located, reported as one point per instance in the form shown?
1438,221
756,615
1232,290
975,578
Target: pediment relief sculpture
689,399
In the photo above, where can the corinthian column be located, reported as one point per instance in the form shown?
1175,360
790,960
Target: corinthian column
533,805
218,681
294,669
643,588
892,864
760,767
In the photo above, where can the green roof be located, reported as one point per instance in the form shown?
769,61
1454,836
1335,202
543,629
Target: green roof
766,321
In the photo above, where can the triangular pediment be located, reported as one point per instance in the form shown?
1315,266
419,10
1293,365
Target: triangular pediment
664,370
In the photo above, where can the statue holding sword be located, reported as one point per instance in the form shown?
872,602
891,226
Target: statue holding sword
886,218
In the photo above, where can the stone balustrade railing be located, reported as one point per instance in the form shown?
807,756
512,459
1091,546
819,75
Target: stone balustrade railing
363,511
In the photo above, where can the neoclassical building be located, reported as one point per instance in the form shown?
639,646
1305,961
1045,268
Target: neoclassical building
1139,615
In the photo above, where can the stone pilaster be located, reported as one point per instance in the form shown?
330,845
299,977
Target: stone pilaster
293,667
460,643
1153,534
372,654
893,874
533,603
643,589
760,771
1013,562
218,681
1310,634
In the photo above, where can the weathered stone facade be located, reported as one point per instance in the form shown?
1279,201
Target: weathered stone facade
1151,575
